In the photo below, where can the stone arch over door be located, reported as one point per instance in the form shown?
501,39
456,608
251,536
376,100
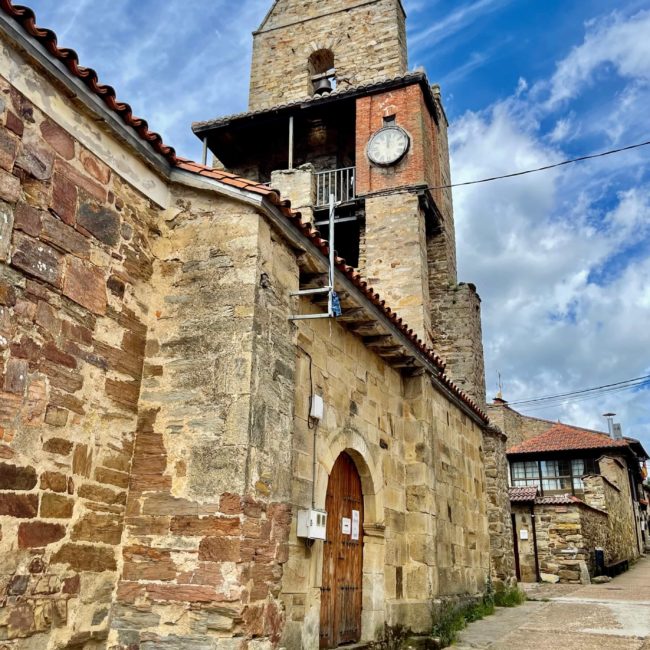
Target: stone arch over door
353,444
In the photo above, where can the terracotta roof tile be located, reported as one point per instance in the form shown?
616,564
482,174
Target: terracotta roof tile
522,494
558,500
27,19
563,437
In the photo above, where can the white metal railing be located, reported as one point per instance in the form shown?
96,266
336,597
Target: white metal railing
337,182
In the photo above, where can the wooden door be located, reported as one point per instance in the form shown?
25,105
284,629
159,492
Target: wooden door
341,591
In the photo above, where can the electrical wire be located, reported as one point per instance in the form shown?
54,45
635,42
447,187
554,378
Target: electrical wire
545,168
643,379
582,395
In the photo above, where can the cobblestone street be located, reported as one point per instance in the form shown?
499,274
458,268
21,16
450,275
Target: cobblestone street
615,615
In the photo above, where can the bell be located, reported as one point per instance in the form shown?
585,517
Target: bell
322,86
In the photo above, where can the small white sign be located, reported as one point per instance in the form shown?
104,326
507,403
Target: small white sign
346,525
523,534
355,524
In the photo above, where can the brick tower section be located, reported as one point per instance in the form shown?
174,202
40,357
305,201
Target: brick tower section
367,40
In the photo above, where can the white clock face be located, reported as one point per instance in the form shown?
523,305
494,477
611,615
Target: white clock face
388,145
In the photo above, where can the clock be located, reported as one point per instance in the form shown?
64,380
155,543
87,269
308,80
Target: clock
388,146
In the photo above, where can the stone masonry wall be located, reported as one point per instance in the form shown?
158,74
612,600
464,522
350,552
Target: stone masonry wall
567,536
425,527
498,508
368,41
457,332
75,257
518,427
611,492
396,266
207,522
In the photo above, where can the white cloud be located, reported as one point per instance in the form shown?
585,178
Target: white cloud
561,257
620,42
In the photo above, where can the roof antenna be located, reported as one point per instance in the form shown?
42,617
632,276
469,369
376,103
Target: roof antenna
500,383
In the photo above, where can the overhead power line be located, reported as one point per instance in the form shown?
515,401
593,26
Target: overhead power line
582,395
545,168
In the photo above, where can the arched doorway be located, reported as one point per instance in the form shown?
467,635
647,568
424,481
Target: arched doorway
341,590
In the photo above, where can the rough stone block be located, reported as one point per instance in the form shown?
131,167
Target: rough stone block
16,376
56,506
6,227
35,160
85,284
100,221
13,477
38,259
98,528
8,150
64,237
35,534
19,505
82,557
54,482
59,139
64,198
27,219
9,187
59,446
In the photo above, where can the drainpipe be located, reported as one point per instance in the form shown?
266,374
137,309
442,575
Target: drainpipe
532,518
291,142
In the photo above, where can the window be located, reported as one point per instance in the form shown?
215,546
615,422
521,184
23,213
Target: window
553,476
525,473
322,72
556,476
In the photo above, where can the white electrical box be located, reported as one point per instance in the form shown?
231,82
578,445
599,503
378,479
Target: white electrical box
312,524
316,407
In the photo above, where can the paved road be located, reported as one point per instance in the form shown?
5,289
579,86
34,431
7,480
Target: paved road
612,616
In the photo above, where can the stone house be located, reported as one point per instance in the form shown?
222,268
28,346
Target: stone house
161,429
572,491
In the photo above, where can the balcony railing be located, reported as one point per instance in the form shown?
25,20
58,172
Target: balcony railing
339,182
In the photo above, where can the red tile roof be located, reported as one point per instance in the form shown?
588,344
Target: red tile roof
522,494
563,437
557,500
27,19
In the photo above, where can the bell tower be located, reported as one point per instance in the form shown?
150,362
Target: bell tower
334,110
304,45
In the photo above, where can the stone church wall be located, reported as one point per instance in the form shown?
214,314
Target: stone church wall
75,259
425,528
498,508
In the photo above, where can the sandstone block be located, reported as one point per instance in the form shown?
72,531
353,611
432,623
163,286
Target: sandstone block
9,187
54,481
59,139
16,376
218,549
38,259
82,557
36,160
98,528
100,221
97,169
8,150
205,526
35,534
64,198
19,505
59,446
56,506
13,477
6,227
85,284
57,233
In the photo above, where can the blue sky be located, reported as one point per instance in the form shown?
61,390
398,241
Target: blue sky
560,258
